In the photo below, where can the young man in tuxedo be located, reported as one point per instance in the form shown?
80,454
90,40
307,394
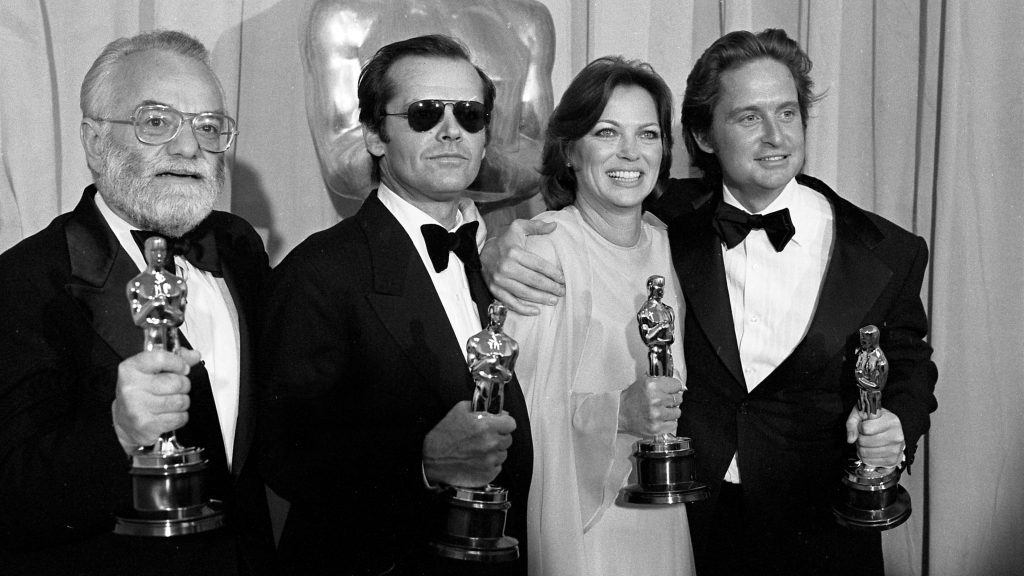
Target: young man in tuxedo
367,411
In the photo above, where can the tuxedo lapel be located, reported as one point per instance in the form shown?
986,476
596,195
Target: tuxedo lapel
697,254
242,290
408,306
100,271
854,279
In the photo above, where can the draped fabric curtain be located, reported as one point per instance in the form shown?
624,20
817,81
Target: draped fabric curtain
920,121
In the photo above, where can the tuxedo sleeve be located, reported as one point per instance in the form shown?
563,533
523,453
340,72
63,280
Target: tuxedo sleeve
320,371
910,389
62,470
303,357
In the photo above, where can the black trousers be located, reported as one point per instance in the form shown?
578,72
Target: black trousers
731,538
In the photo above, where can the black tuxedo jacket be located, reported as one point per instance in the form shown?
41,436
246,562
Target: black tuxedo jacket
790,430
361,363
63,474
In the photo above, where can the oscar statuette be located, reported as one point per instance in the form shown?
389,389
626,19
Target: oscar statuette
474,527
168,480
664,464
871,497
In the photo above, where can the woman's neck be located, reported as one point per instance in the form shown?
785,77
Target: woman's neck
620,226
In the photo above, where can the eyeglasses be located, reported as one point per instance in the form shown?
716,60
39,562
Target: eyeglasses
425,114
157,124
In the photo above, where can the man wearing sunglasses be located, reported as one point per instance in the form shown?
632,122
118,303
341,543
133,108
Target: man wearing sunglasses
367,411
77,393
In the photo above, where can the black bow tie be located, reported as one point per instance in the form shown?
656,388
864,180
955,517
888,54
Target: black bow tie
733,225
197,246
463,242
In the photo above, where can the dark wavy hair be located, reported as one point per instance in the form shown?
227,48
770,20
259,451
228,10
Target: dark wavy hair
376,89
579,110
734,50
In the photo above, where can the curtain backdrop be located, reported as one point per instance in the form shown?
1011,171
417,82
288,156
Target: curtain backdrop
920,122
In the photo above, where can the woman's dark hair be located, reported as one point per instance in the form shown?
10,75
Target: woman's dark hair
732,51
579,110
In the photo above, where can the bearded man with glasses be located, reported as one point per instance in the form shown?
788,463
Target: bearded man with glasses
366,413
77,393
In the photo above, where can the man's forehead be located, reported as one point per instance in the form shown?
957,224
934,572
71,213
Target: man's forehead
169,79
758,79
156,102
420,78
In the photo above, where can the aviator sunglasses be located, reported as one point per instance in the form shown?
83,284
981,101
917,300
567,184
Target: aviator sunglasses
425,114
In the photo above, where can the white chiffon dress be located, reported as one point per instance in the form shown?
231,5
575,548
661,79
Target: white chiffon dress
575,359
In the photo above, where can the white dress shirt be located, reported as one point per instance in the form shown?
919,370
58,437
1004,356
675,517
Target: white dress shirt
774,294
208,313
450,283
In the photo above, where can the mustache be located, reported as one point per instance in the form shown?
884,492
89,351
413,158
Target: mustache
123,159
196,169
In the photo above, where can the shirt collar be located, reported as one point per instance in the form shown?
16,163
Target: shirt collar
122,231
805,207
412,218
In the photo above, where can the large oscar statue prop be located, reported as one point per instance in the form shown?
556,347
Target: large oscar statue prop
475,523
168,483
871,497
664,464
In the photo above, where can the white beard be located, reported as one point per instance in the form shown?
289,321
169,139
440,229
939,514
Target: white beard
131,185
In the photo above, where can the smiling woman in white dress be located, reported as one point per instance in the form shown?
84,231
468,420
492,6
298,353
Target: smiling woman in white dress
582,364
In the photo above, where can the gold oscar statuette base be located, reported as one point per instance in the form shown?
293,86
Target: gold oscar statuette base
475,526
871,499
664,470
169,495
